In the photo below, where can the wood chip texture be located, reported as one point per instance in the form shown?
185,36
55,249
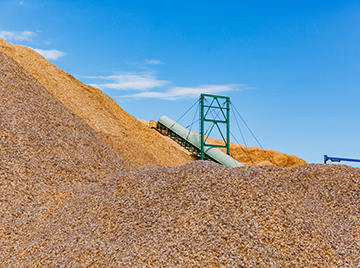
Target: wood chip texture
41,137
67,199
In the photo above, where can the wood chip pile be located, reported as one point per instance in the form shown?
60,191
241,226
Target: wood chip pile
253,155
135,142
67,199
198,215
41,138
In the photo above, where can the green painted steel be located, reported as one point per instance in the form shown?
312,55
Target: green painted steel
191,138
207,115
202,142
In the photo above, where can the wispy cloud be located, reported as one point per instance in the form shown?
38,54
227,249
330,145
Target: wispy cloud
17,36
144,64
152,87
153,62
175,93
51,54
130,81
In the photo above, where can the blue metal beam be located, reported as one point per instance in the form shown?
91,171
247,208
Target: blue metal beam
339,159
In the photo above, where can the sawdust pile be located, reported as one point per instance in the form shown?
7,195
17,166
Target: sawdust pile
66,200
125,134
253,155
41,138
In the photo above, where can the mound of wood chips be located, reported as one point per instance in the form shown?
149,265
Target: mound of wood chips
253,155
125,134
41,138
198,215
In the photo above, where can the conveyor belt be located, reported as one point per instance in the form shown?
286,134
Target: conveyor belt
191,142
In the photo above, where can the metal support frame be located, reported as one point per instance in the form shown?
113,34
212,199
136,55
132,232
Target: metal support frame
339,159
216,112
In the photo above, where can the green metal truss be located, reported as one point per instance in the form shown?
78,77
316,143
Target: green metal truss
216,111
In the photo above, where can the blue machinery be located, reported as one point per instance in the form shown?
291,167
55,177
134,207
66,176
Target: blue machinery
339,159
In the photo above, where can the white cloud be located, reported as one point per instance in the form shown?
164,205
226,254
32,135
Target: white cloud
51,54
17,36
147,82
185,92
153,62
131,81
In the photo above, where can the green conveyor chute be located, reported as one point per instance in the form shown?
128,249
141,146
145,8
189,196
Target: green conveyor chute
195,141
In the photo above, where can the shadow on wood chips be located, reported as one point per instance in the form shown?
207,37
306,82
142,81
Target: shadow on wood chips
67,199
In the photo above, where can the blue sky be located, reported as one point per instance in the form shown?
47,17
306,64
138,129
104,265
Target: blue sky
290,68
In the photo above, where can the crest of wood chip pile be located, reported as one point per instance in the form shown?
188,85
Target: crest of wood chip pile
67,199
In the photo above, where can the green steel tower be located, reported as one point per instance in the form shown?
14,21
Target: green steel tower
214,111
